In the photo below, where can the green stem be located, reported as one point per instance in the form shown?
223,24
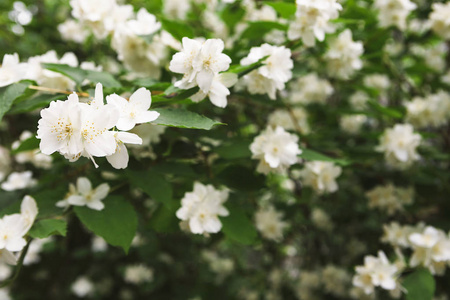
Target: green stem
18,267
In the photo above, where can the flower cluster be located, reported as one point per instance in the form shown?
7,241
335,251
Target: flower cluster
394,12
390,198
439,19
273,75
399,146
200,64
201,207
76,129
431,111
343,57
269,223
321,176
310,89
276,150
312,20
14,227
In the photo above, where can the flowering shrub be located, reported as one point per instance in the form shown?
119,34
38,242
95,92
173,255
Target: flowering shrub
227,149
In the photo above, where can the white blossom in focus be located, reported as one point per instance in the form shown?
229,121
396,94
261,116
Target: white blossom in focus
218,91
343,56
273,74
133,111
276,149
201,208
18,181
321,176
399,146
12,70
269,223
86,196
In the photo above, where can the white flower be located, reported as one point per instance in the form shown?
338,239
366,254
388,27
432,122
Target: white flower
312,20
138,274
201,208
397,235
394,12
377,271
270,224
18,181
82,287
310,89
321,219
12,229
297,118
343,56
218,91
390,198
11,70
28,211
199,62
99,244
37,158
144,24
352,124
399,146
321,176
49,78
358,100
133,111
176,9
275,72
5,270
431,249
60,127
377,81
440,19
336,280
431,111
86,196
71,30
119,159
34,249
7,257
276,149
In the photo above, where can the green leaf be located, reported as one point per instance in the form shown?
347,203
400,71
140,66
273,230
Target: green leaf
48,227
241,178
177,29
183,119
234,150
29,144
106,79
420,285
40,101
79,75
164,220
256,30
387,111
153,184
232,14
116,223
238,227
312,155
285,10
10,93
